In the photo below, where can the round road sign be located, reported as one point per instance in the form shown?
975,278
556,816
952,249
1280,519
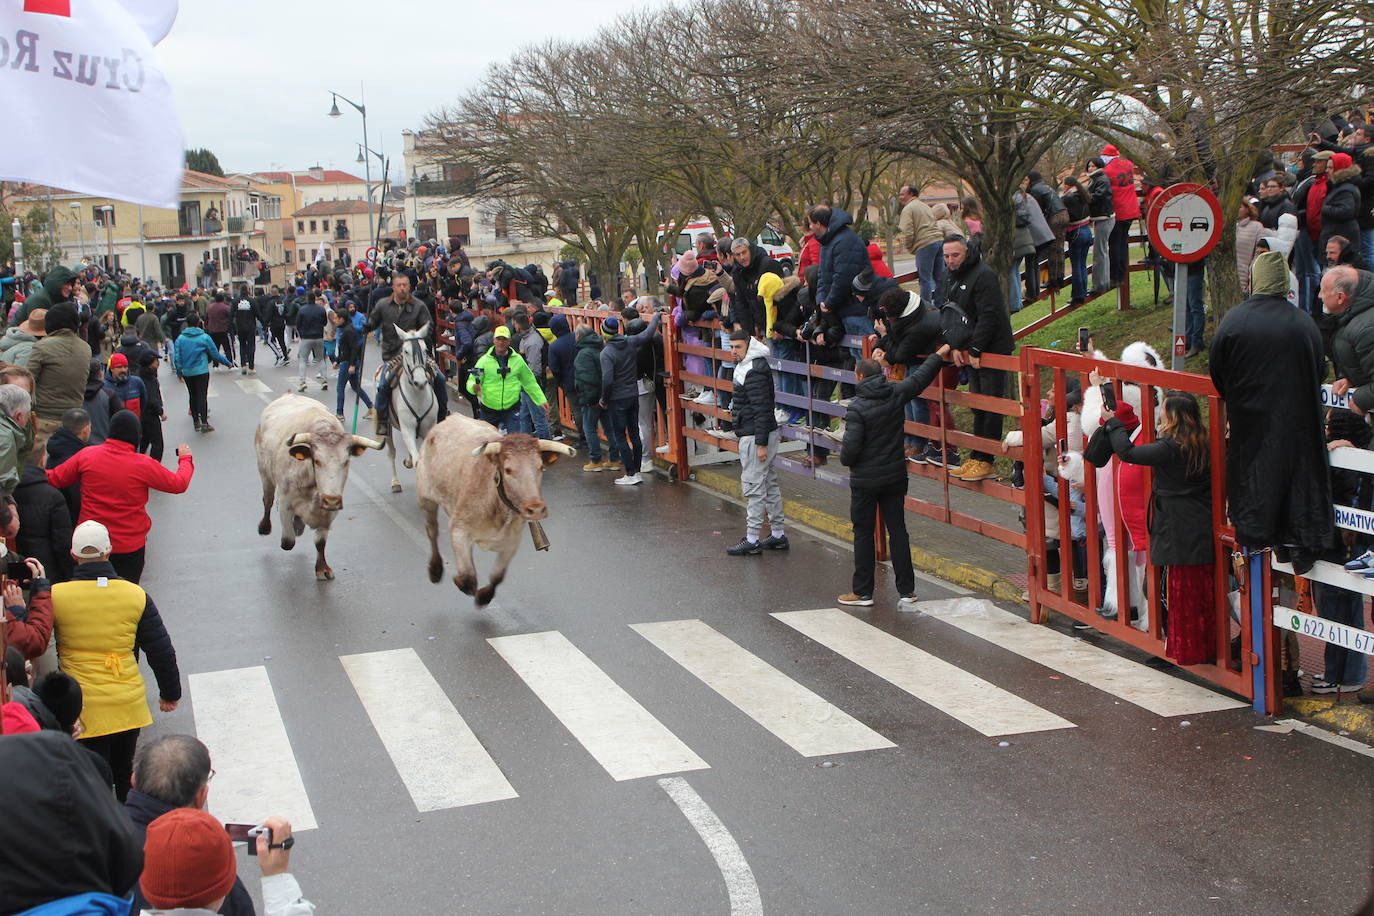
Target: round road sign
1184,222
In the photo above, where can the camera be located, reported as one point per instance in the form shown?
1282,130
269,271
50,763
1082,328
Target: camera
16,570
248,833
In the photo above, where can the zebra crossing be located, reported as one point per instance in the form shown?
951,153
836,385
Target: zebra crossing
444,763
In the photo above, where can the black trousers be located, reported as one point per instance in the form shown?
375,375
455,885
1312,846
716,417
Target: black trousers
118,751
863,510
221,339
129,565
151,442
986,424
248,348
198,390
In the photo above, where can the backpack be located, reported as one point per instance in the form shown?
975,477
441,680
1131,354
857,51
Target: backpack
956,327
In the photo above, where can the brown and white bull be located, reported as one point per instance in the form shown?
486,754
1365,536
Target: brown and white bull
303,455
489,485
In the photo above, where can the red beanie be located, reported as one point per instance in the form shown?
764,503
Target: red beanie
118,359
1341,161
1109,150
188,860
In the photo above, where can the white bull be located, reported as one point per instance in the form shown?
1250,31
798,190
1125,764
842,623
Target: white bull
489,485
303,455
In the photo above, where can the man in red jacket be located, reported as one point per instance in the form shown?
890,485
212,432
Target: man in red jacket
1126,203
115,480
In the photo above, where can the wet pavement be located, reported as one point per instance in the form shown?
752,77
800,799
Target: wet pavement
1122,810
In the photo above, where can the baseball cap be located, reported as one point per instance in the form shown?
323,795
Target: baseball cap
501,331
90,540
188,860
1323,154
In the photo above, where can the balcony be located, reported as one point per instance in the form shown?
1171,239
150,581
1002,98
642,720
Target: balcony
466,188
236,223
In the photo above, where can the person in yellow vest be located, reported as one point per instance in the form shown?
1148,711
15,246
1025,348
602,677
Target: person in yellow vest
98,618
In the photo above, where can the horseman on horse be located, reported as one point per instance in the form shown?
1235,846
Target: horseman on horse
397,313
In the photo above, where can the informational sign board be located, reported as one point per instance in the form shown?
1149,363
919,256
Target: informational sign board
1326,630
1184,223
1329,399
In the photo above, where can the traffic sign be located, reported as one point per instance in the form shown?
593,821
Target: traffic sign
1184,222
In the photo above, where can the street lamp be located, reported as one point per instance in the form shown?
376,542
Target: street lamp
80,230
109,238
18,231
367,173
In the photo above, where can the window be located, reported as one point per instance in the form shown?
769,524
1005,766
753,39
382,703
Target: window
173,269
312,226
105,264
188,218
340,229
325,225
253,207
99,216
286,255
426,229
300,225
458,228
302,254
769,236
502,224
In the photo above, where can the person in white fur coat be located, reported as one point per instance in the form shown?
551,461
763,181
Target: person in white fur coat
1094,415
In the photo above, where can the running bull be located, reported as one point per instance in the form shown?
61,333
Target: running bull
303,455
489,485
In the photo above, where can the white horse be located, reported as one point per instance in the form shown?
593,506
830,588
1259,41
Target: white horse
414,407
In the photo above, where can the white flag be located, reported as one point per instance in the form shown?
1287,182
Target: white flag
319,253
80,82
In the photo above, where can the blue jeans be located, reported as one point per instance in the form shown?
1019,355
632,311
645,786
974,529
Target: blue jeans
1197,311
930,270
860,326
508,418
1308,270
788,382
532,416
917,411
1014,287
1343,666
1367,247
592,417
345,378
624,416
1080,243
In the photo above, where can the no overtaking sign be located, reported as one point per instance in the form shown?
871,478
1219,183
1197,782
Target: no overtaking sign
1185,222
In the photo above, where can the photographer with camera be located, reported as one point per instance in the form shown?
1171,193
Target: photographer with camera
499,378
189,865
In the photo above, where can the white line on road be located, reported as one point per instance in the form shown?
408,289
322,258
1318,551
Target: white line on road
808,724
252,385
970,699
1284,726
256,774
739,877
1133,682
440,760
622,735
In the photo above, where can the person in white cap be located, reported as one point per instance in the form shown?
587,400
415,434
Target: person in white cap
98,618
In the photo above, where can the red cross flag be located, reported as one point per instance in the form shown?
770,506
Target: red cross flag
94,112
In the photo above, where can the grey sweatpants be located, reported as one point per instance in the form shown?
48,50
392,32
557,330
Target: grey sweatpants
759,480
311,347
1102,266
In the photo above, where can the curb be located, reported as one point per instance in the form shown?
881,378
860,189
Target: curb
961,574
1352,720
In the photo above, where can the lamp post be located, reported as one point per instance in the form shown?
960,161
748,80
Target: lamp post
18,230
367,172
80,231
363,153
109,238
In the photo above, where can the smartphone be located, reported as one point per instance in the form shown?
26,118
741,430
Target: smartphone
1109,396
248,833
16,570
1063,446
1082,340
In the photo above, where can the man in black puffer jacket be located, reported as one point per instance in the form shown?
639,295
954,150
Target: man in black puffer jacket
872,450
751,411
843,257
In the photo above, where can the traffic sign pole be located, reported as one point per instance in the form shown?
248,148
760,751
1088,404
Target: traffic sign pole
1180,315
1184,225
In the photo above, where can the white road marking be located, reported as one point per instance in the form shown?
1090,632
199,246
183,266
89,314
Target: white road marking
739,877
980,705
622,735
1157,691
805,722
1284,726
252,385
255,771
441,761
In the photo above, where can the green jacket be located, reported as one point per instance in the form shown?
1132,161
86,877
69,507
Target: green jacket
502,392
109,298
61,364
12,453
587,369
1352,346
49,295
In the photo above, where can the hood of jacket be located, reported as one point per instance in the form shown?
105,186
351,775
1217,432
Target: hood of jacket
130,339
481,324
1269,275
839,220
32,474
1363,300
558,324
743,367
193,333
874,388
15,335
1349,173
57,278
590,342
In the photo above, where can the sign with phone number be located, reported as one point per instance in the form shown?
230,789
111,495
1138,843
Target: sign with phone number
1339,634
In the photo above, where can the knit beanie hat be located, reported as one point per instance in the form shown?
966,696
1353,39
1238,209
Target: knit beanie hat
62,315
61,693
188,860
611,326
1269,275
117,360
125,427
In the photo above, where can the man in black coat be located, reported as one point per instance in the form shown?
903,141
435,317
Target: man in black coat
751,412
974,288
1267,363
843,257
751,263
45,523
872,450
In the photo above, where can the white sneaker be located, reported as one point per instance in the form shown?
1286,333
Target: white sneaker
907,603
647,467
707,396
629,481
661,450
781,416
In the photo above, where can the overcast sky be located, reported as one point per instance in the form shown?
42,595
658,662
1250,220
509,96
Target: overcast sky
252,79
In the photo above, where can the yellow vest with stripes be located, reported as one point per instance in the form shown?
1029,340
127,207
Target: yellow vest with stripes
96,627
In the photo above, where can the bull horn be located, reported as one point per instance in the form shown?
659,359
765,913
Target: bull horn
548,445
490,448
368,443
299,439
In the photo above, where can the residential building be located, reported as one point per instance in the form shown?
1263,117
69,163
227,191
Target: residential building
337,228
222,231
441,203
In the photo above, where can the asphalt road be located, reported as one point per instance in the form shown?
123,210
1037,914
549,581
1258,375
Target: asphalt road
378,707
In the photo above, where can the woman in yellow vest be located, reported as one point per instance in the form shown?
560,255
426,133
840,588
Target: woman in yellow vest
99,618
